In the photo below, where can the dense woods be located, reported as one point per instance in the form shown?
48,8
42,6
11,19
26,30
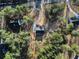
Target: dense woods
46,32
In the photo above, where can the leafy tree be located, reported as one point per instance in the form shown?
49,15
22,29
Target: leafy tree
51,47
8,56
54,11
69,27
16,42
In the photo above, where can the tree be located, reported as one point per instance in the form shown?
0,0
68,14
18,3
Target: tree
51,47
15,42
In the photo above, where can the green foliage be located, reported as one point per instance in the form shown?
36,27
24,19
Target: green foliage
8,55
75,33
56,38
19,10
15,41
75,48
8,10
65,21
69,27
66,47
60,56
55,11
28,19
51,48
